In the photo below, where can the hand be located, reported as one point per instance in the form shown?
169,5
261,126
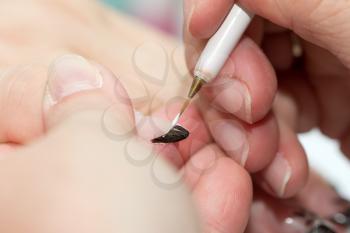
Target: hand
318,90
313,89
24,63
302,213
64,166
241,98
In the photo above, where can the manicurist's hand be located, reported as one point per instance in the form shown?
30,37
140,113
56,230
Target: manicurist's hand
306,49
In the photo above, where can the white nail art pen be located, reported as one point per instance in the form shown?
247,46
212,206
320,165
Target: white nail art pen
217,51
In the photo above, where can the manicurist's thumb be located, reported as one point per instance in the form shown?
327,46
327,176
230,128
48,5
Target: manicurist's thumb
322,22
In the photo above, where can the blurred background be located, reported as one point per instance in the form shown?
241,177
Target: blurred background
324,154
163,14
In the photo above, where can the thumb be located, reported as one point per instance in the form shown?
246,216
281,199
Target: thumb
321,22
85,95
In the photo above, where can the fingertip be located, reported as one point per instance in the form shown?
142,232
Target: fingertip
295,156
253,146
254,69
191,120
232,190
206,17
246,86
264,140
287,174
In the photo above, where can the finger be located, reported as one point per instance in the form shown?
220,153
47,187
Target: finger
77,87
252,146
221,189
295,15
195,45
288,172
204,17
269,214
246,86
299,214
21,94
318,190
193,121
159,123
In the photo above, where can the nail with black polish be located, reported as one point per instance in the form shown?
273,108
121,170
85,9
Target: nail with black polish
321,228
176,134
311,221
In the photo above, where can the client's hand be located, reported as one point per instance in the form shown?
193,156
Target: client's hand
63,170
72,162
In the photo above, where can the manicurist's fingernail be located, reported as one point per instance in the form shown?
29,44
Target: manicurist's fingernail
71,74
278,174
232,139
234,98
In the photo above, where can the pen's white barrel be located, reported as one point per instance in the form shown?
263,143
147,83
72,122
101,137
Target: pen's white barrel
222,43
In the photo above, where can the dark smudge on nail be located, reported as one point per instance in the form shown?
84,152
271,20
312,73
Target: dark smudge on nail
176,134
308,217
322,229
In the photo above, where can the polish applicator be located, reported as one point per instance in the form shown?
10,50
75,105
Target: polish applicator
215,54
217,51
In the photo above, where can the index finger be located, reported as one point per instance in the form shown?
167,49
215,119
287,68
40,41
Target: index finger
205,16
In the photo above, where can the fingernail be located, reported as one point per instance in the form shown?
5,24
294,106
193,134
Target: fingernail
71,74
322,228
234,97
232,139
285,216
278,174
342,218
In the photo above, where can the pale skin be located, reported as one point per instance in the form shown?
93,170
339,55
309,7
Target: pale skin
58,159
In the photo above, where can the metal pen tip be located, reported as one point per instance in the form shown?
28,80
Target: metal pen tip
195,88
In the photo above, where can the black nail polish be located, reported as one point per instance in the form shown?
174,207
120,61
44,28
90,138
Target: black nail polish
313,222
176,134
321,229
342,218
